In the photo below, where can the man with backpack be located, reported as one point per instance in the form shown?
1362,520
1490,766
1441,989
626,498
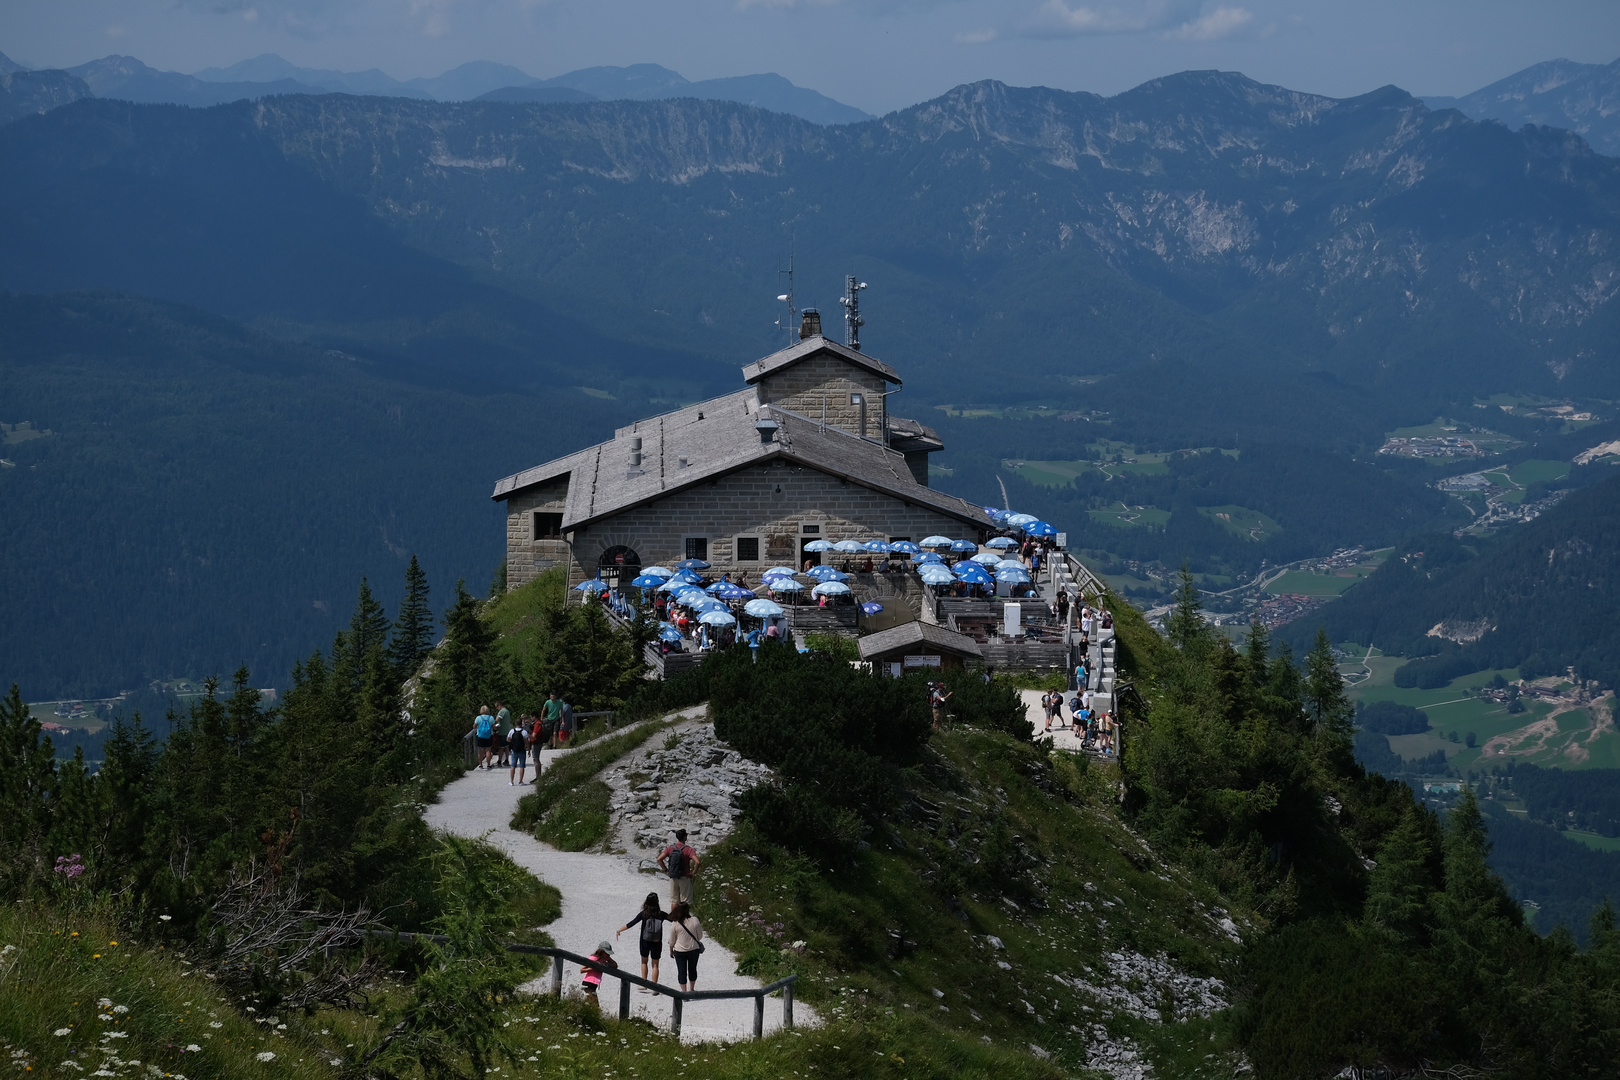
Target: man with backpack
680,862
517,746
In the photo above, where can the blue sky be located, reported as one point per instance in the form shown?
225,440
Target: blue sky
875,54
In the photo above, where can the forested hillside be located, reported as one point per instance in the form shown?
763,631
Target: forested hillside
207,496
1538,598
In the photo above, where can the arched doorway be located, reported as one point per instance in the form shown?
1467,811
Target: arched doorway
618,566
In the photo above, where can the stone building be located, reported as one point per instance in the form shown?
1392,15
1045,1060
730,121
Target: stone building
807,451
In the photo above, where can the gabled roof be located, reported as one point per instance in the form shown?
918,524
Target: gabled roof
717,437
910,634
816,346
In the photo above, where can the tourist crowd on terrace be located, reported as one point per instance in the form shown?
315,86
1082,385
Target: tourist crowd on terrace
693,611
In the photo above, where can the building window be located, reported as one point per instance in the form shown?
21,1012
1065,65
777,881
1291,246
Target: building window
897,539
747,549
547,526
697,547
618,565
812,530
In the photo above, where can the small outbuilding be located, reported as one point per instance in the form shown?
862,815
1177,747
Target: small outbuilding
918,645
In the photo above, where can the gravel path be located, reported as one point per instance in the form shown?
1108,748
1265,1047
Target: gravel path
600,892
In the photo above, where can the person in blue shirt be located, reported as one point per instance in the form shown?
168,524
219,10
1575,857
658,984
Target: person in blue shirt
484,732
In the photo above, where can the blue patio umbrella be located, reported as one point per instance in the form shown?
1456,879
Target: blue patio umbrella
716,586
691,577
871,607
992,511
593,585
1002,542
904,547
830,588
1021,519
936,541
1010,563
826,573
731,591
707,604
773,571
762,608
692,564
819,545
934,574
848,547
971,571
989,558
964,545
927,557
717,618
1040,528
1013,577
877,547
669,634
786,584
673,586
660,571
647,581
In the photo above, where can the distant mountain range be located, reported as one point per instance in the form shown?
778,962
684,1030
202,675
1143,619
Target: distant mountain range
127,79
1202,262
1583,98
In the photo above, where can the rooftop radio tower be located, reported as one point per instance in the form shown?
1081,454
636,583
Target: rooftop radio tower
792,323
852,312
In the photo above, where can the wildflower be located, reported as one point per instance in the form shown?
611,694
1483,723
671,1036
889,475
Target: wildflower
96,957
120,1008
215,1024
193,1048
265,1055
165,918
59,1032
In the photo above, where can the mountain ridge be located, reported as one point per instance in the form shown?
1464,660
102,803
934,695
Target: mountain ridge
1583,98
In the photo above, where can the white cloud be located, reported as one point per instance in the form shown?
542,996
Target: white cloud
975,37
1056,18
1214,25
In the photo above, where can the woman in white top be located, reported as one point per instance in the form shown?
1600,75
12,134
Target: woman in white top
685,944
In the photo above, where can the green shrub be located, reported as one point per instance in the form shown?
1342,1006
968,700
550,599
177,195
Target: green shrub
835,735
580,821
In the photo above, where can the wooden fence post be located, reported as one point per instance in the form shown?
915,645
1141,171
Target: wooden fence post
759,1016
624,1000
556,976
675,1017
787,1006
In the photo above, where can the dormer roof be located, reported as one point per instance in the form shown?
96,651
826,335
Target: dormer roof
816,346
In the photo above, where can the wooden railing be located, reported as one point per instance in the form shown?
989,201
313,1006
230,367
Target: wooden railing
626,980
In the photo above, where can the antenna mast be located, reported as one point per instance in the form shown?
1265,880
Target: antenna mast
792,323
852,312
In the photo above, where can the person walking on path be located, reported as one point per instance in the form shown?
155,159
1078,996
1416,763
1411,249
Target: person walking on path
937,697
601,959
553,717
680,862
503,724
517,745
686,945
484,733
651,917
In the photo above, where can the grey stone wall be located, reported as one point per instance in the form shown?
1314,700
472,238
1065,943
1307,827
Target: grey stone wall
767,500
527,557
803,387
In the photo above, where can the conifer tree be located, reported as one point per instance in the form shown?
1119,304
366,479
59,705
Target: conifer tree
27,777
1326,701
1399,888
368,626
1185,626
413,629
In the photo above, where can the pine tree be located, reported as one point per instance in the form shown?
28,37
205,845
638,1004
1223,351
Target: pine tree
413,630
27,779
368,626
1326,701
1398,891
1185,627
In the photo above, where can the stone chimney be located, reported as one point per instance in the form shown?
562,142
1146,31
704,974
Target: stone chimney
809,324
635,459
